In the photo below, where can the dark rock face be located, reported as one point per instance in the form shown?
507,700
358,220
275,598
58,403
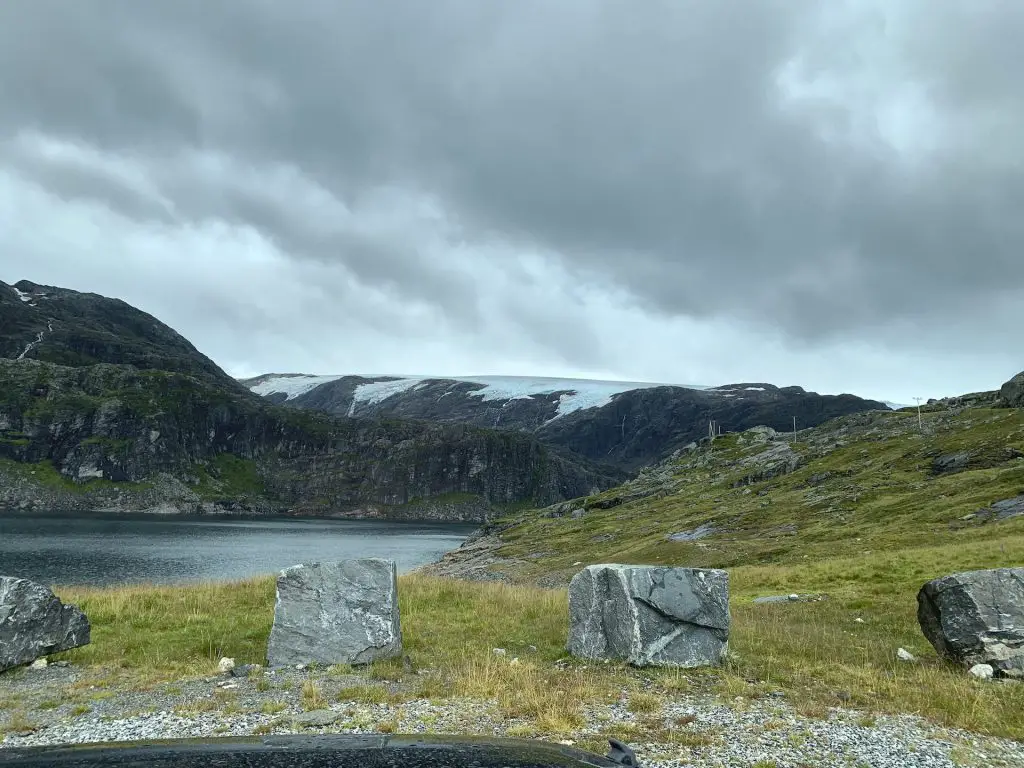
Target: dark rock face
115,431
57,325
649,616
645,425
1003,510
34,623
638,427
951,462
977,617
336,613
1012,392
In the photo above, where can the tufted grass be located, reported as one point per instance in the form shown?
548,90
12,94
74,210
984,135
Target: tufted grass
816,653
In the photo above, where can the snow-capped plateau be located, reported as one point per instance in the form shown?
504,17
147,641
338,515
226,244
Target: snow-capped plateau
575,394
624,423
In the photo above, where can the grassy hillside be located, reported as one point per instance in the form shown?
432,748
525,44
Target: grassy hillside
864,510
872,497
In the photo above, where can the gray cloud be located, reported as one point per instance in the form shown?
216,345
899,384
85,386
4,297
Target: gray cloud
833,171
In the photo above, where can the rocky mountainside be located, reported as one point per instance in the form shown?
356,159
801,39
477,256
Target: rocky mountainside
112,436
625,424
875,482
57,325
104,407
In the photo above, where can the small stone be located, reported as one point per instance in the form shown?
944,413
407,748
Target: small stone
226,665
244,670
225,685
61,664
514,662
38,664
498,651
981,671
578,562
531,648
318,718
859,620
904,655
794,597
300,667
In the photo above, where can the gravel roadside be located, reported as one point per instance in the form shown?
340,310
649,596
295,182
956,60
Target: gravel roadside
710,732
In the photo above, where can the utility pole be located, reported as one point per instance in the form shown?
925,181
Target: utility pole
919,427
794,426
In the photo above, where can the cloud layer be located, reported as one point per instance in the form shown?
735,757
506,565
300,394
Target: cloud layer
816,193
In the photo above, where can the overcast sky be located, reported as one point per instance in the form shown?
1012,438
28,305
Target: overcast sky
828,194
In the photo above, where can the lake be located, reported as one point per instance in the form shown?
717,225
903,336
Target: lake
104,550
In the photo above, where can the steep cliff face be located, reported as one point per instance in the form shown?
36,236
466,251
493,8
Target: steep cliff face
103,436
627,425
646,425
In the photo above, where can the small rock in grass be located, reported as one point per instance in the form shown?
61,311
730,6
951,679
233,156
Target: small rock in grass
38,664
859,620
981,671
498,651
904,655
531,648
226,686
318,718
226,665
245,670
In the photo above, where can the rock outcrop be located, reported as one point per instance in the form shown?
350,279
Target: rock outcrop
977,617
35,623
1012,392
649,615
336,613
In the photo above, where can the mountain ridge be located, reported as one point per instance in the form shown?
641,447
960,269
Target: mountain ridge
625,424
103,406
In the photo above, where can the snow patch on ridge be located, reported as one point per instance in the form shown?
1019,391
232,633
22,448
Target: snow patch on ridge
291,386
576,394
376,391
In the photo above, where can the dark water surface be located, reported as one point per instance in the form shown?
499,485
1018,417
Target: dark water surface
101,550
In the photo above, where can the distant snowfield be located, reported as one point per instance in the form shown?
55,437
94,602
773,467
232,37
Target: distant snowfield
578,394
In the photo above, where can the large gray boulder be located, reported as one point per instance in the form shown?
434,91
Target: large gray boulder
1012,392
35,623
649,615
336,613
976,617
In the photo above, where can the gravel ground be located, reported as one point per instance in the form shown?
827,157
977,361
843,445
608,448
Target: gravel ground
737,733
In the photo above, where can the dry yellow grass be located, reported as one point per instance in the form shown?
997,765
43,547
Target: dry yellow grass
812,651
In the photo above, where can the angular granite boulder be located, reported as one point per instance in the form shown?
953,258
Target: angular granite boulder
336,613
976,617
649,615
35,623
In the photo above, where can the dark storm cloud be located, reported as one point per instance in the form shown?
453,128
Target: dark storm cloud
649,145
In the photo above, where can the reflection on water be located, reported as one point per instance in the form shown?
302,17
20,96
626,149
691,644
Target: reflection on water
115,550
